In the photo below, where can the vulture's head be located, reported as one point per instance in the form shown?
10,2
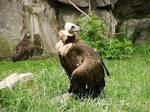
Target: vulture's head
69,35
71,27
27,36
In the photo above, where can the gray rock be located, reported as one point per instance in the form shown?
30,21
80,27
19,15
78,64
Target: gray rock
11,19
103,3
12,79
85,3
46,25
113,3
67,15
40,18
109,19
137,29
128,9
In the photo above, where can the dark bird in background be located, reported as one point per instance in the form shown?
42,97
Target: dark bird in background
24,49
38,45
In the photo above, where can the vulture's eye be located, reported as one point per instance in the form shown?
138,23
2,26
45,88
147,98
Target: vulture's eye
28,37
72,27
70,37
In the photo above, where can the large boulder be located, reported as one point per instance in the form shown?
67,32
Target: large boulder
133,17
109,19
103,3
137,29
127,9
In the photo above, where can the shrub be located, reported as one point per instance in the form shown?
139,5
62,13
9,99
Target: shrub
119,47
95,33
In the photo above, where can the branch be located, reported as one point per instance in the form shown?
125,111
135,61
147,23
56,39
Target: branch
78,8
90,9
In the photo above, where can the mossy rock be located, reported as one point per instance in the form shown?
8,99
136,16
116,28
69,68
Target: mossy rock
5,47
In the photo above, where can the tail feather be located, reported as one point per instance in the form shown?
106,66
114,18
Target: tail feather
107,72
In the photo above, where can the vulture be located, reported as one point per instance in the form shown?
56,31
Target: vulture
84,67
24,49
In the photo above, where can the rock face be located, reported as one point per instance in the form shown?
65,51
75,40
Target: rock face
127,9
85,3
46,17
80,3
44,24
103,3
39,18
11,19
10,25
137,29
109,19
67,14
133,16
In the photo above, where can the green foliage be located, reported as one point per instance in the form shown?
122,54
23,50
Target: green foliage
95,33
142,49
119,47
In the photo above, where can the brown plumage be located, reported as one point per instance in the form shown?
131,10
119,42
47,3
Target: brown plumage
24,49
38,46
83,65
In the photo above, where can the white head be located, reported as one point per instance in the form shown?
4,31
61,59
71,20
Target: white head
71,26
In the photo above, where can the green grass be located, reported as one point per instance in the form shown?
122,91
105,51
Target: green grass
128,90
